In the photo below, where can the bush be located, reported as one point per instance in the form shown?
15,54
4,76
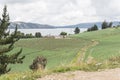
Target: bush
38,63
114,62
63,34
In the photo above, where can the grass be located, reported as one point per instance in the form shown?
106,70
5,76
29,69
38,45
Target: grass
57,51
61,52
108,43
103,54
23,75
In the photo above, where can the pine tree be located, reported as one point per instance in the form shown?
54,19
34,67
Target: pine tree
94,28
110,25
7,44
104,25
77,30
38,35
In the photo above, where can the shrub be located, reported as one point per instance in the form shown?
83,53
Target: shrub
114,62
38,63
63,34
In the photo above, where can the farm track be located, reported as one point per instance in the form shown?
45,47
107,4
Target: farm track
82,53
112,74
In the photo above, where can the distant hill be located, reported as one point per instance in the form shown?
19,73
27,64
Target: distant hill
88,25
24,25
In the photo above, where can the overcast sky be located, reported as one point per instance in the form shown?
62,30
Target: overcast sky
62,12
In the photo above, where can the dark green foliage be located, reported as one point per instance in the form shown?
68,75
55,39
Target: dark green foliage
106,25
94,28
7,44
19,34
63,34
28,36
22,35
38,63
77,30
110,25
38,35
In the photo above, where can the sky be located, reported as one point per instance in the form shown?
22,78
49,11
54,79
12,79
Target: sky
62,12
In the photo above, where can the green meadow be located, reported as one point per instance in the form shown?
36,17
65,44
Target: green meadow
63,51
57,51
109,43
61,54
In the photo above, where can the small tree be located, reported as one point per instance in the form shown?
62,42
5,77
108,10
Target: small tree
94,28
38,63
63,34
29,35
77,30
110,25
7,44
38,35
106,25
19,34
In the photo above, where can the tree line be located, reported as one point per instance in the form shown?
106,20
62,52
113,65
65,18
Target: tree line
104,25
28,35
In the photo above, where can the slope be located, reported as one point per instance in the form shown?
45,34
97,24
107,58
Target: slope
108,46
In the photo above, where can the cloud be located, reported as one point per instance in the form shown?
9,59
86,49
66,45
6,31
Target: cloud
54,12
62,12
15,1
107,9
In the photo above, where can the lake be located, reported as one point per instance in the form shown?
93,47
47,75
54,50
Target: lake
54,32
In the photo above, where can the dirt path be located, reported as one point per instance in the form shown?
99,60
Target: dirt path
112,74
82,53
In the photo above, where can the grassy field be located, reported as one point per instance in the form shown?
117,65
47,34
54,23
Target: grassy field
57,51
101,45
62,51
108,46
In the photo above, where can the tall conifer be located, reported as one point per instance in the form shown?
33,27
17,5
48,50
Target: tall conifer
7,44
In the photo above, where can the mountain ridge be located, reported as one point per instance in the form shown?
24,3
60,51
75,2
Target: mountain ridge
29,25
